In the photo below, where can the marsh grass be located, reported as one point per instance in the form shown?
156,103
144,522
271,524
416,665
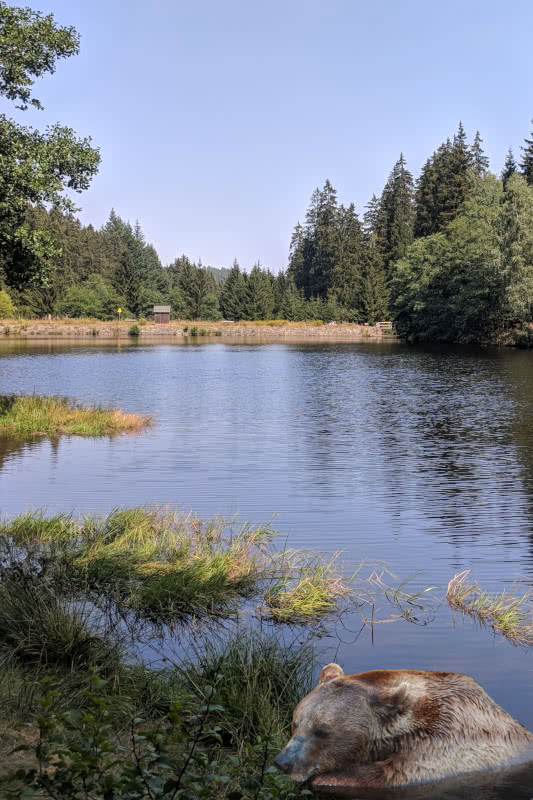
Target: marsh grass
34,415
311,588
255,679
161,565
508,613
40,628
211,725
165,568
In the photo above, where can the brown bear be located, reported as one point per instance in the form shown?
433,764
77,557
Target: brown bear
398,727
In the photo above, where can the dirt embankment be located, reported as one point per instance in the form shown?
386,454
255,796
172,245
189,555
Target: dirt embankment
86,329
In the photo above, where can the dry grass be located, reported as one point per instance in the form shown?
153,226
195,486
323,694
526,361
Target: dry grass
35,415
175,323
508,613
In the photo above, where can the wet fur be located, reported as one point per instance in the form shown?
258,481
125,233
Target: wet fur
398,727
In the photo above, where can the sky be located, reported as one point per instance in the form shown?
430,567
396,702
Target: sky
216,119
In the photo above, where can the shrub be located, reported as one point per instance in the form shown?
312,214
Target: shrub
7,307
95,298
134,330
523,338
181,758
193,331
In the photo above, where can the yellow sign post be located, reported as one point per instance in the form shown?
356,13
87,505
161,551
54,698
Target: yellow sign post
119,312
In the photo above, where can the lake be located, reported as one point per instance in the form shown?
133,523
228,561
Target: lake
420,458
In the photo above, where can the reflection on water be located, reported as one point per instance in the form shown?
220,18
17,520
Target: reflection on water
515,783
11,448
418,457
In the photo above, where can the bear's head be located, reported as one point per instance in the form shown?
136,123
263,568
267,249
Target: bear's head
342,722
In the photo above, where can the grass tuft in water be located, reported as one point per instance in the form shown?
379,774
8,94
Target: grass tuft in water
313,591
508,613
34,415
162,565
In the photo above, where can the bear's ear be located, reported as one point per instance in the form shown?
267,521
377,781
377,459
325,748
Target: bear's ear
330,672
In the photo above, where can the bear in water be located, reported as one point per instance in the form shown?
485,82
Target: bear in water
398,727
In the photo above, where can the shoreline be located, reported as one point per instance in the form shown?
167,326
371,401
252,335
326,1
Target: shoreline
83,329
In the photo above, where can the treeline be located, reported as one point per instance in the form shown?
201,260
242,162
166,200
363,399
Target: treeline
92,272
448,257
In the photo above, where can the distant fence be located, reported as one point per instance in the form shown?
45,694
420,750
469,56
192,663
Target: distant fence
384,326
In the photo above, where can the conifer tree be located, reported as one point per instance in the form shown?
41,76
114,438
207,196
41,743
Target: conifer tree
480,161
347,275
375,294
443,184
509,168
297,268
396,217
326,242
279,286
198,286
375,291
259,302
233,294
526,164
292,304
453,180
427,211
371,219
314,251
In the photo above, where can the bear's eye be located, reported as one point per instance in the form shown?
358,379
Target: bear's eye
321,733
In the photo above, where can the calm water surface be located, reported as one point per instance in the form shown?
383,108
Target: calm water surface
420,458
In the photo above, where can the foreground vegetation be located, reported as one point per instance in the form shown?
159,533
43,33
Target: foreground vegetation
91,612
34,415
81,601
205,729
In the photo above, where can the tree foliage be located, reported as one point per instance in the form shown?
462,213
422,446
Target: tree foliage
473,280
36,168
7,307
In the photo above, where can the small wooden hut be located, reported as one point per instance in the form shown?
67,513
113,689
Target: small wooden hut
162,314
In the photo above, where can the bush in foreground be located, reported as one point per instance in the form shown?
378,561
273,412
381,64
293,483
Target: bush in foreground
78,755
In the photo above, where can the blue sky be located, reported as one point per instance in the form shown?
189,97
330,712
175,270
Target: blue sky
217,118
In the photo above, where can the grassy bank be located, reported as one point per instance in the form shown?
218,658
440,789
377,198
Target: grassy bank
33,415
204,728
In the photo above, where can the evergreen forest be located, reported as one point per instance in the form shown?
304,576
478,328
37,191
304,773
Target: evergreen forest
447,257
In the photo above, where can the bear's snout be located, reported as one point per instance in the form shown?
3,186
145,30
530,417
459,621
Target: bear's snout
290,755
283,762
